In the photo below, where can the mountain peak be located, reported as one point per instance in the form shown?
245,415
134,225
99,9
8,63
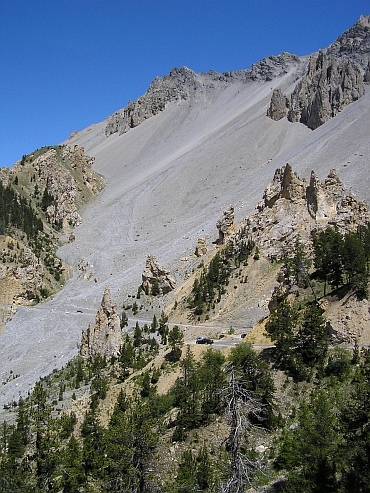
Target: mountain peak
354,43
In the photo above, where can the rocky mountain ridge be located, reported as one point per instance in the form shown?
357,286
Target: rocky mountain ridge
348,55
184,83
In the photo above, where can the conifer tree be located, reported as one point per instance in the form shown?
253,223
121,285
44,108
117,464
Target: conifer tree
279,328
313,337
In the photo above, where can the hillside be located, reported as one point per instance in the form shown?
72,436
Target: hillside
168,179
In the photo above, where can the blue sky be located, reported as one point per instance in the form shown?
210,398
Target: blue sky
65,64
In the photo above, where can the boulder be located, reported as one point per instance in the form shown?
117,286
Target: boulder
155,278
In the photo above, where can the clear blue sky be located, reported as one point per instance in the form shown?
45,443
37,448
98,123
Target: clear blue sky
65,64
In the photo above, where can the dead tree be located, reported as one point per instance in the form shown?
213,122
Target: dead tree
240,407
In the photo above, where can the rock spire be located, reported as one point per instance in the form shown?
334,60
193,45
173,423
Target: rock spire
105,337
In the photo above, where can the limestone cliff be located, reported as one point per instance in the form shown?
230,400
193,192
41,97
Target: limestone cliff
328,87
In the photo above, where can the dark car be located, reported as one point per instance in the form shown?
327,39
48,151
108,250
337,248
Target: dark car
204,340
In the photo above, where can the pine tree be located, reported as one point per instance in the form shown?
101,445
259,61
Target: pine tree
212,380
175,341
279,328
46,444
313,337
73,474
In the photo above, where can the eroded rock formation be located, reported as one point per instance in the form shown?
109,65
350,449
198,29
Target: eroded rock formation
201,247
225,225
329,86
105,337
279,105
155,278
293,209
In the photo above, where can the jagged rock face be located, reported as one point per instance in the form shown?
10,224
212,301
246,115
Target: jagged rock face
156,276
285,184
327,88
62,171
279,105
321,204
293,210
201,247
354,43
105,337
225,225
270,67
173,87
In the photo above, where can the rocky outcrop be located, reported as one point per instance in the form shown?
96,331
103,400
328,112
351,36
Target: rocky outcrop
293,209
321,204
19,280
285,184
155,278
225,225
54,181
348,318
173,87
65,174
279,105
105,337
328,87
270,67
201,247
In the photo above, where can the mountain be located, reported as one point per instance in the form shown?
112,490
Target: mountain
172,161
